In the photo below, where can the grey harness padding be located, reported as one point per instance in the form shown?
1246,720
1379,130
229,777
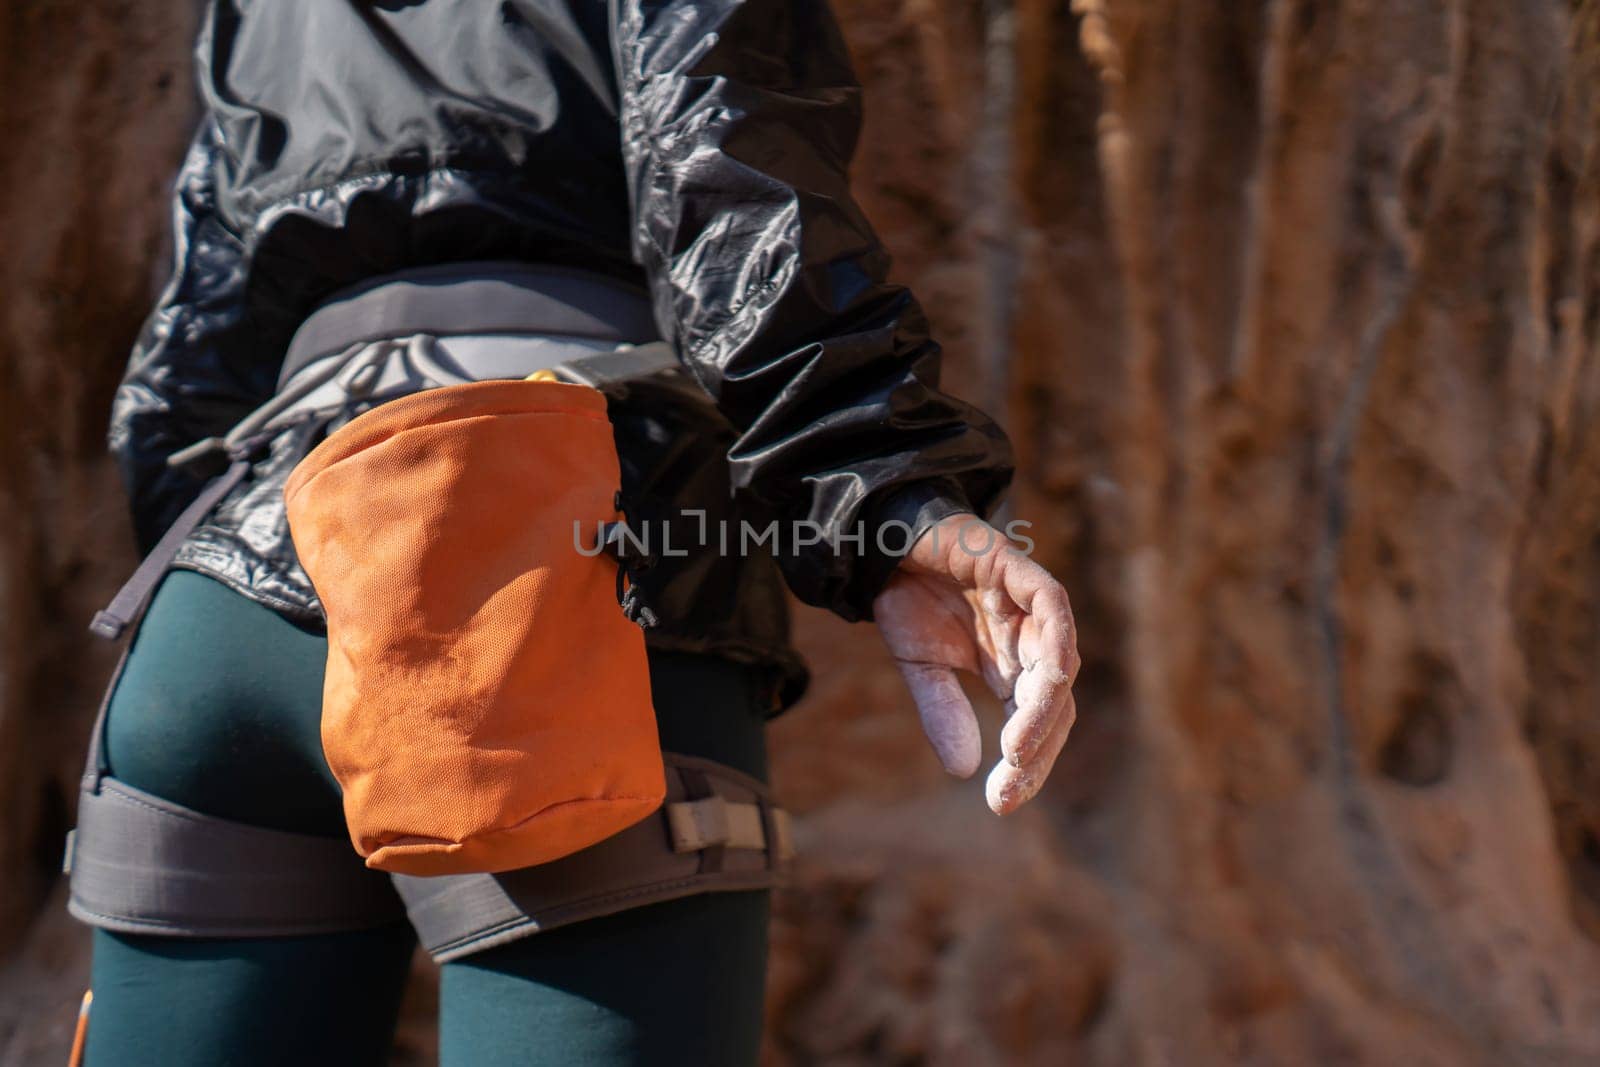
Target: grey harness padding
475,298
143,865
650,862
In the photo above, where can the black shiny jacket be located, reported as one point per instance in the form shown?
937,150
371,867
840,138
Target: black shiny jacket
699,147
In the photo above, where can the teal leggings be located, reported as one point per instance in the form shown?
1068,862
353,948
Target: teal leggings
217,709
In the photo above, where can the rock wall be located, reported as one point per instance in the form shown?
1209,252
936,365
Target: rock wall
1301,362
95,102
1292,309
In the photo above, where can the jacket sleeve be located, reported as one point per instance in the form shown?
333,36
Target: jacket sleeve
739,119
185,379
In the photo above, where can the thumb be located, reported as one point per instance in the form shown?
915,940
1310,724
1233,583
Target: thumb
947,716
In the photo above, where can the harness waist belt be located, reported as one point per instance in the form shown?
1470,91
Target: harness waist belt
463,322
491,297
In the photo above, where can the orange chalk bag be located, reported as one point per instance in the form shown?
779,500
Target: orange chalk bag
487,702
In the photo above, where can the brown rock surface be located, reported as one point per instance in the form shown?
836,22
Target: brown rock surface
95,102
1293,307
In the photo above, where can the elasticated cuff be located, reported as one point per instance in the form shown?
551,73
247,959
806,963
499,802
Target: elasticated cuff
914,509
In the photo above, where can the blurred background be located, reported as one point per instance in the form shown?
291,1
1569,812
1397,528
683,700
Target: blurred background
1291,307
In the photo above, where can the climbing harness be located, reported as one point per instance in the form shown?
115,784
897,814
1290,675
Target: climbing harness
487,705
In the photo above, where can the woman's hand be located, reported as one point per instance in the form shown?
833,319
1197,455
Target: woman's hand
965,598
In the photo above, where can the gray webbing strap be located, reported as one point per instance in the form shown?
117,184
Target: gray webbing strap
651,861
698,793
140,864
94,763
113,619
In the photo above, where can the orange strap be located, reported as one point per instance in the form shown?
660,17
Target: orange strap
80,1036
